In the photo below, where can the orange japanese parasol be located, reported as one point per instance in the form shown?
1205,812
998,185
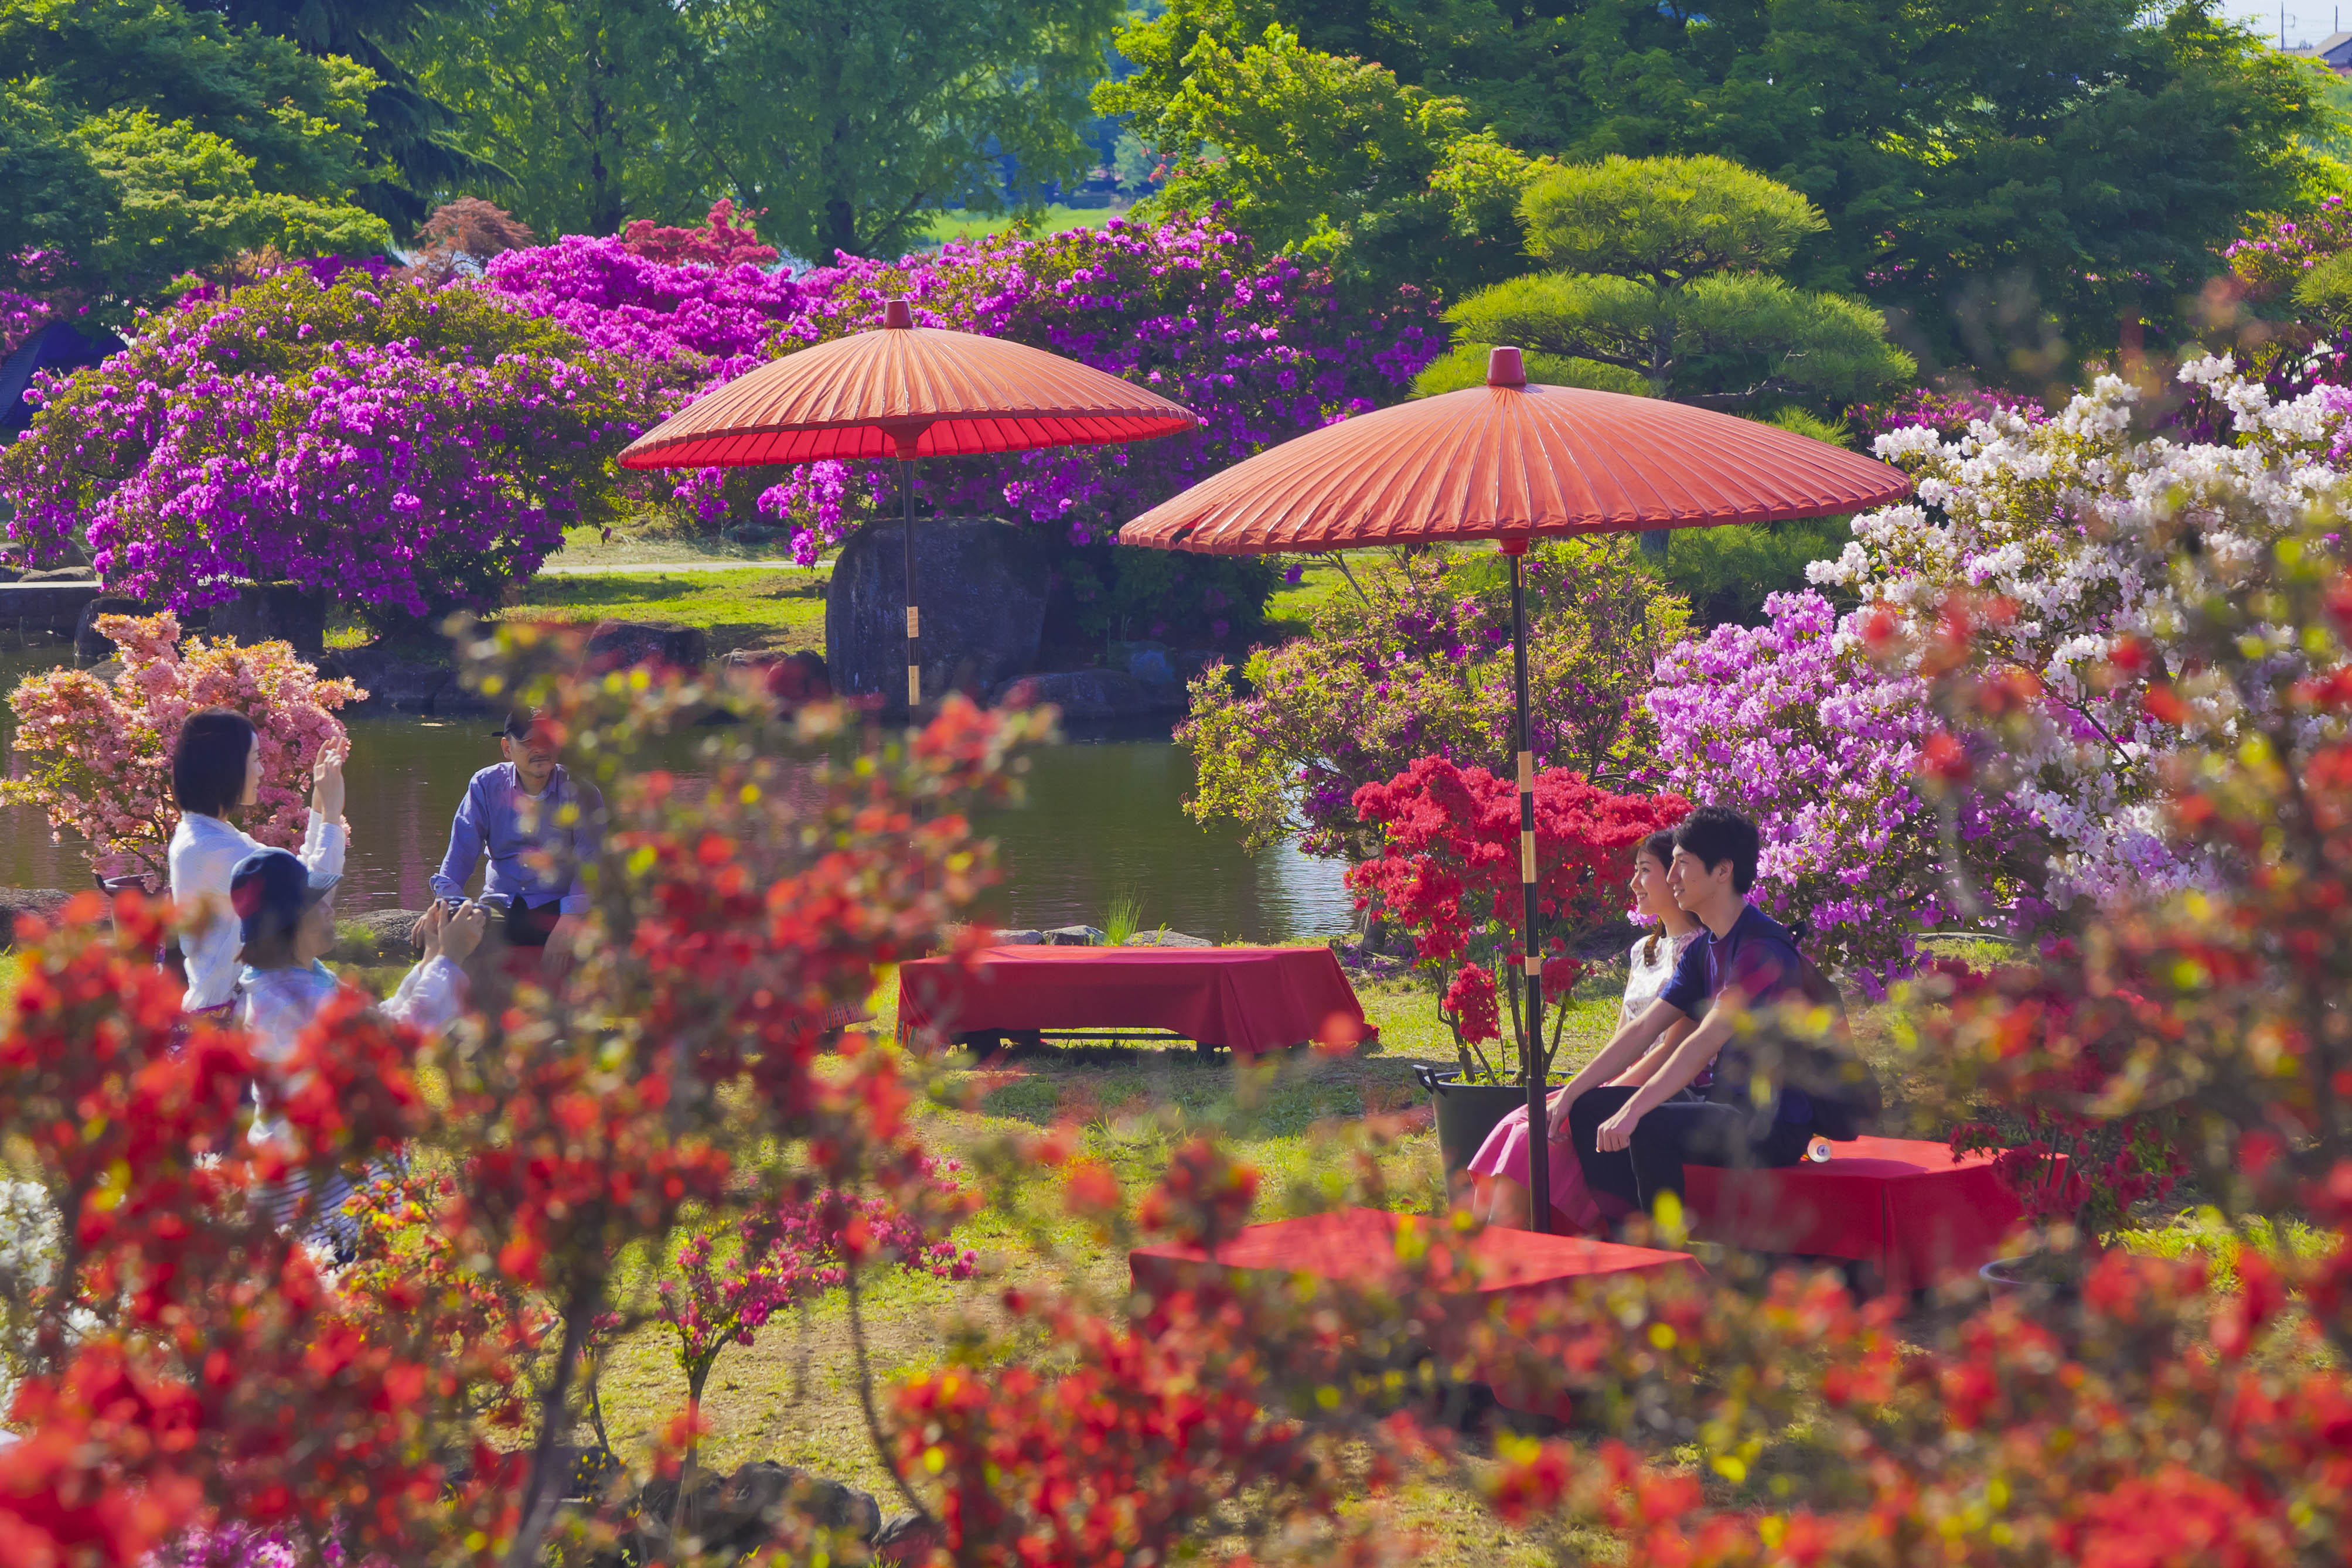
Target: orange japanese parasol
906,391
1511,462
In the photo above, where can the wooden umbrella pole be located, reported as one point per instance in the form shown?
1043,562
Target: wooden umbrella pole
914,616
1531,958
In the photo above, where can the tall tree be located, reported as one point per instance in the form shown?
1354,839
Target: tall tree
1664,269
851,124
1336,161
139,141
1972,157
409,130
583,104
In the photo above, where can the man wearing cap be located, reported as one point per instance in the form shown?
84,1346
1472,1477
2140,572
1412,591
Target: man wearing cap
538,826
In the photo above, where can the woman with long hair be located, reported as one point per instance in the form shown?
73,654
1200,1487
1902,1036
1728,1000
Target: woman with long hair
1498,1173
215,769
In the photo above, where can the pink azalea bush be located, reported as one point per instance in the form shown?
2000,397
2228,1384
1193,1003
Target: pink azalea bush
724,1294
98,753
1794,725
398,448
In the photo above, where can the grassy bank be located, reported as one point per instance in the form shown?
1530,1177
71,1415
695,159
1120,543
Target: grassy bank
751,608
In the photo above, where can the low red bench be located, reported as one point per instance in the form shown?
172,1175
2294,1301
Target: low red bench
1904,1207
1359,1247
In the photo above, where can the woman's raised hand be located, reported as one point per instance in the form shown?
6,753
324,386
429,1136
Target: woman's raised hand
327,779
462,932
429,930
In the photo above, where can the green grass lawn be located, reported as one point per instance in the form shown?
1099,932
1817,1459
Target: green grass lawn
1056,219
752,608
652,545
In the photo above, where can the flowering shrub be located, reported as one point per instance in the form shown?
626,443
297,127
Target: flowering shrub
2269,264
22,315
1948,414
2073,525
783,1254
1448,874
720,243
1261,348
1795,727
1421,666
398,448
100,751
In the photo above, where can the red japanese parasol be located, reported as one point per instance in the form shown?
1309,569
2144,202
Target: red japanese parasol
1511,462
906,391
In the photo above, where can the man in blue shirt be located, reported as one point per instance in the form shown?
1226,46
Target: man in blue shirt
1633,1140
539,825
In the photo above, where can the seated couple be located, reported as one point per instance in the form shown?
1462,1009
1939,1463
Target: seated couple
1672,1084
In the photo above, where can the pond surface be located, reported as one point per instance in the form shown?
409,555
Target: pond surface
1102,820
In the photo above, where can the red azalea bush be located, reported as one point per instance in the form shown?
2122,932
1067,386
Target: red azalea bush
1448,876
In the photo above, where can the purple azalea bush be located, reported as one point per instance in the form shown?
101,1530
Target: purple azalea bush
398,448
408,446
1793,725
1261,347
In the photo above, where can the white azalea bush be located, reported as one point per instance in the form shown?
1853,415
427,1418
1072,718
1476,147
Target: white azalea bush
2091,530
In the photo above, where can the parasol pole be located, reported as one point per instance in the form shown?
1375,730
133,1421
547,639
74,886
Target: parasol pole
900,316
1531,959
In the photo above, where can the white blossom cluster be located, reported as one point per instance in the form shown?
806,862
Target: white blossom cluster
2085,525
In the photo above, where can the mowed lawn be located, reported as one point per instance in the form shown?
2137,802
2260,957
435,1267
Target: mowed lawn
755,608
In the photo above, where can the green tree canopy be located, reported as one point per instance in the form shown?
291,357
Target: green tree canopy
1663,276
139,142
1336,161
1973,158
408,131
847,126
578,103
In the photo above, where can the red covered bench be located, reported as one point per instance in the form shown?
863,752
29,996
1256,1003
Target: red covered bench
1903,1206
1360,1246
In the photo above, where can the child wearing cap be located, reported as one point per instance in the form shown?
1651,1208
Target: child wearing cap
286,920
215,768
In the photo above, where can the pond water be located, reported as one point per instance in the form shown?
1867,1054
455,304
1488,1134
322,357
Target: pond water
1102,820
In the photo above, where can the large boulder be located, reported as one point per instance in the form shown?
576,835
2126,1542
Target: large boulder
1091,696
275,612
980,586
59,574
43,901
88,642
400,681
725,1518
616,645
379,936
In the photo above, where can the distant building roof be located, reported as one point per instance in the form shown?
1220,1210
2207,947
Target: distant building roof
2336,50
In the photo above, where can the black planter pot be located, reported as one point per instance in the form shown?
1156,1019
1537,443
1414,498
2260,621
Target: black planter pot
2020,1277
1467,1112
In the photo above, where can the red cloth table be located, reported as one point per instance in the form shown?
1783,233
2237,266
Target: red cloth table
1903,1205
1359,1247
1252,999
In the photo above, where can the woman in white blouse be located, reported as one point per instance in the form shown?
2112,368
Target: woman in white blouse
215,768
286,921
1498,1173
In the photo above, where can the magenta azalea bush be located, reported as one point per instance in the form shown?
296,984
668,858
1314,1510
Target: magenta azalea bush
397,447
1260,347
409,446
1792,724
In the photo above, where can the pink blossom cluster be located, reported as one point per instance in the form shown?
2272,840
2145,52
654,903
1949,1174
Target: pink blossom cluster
787,1253
390,445
98,753
1793,725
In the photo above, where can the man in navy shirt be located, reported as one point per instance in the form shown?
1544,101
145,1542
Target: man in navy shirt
1633,1140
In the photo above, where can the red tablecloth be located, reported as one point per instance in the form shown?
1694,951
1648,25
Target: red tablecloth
1359,1247
1901,1205
1251,998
